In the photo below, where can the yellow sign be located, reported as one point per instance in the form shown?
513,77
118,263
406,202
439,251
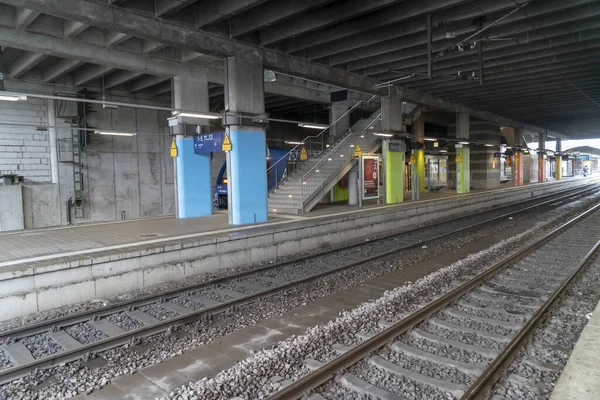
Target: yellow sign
173,149
412,159
357,151
226,146
303,154
458,158
516,156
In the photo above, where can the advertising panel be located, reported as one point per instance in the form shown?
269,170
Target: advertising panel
370,177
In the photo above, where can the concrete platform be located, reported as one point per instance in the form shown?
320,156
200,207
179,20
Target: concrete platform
580,380
210,359
49,268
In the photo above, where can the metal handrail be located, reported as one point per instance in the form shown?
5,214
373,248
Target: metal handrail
374,119
297,147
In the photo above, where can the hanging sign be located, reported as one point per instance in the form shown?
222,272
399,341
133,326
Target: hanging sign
357,151
397,146
459,158
173,148
303,154
208,143
226,143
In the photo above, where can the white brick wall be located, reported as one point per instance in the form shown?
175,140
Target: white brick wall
23,150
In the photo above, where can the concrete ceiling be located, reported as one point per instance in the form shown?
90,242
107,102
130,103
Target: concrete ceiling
540,59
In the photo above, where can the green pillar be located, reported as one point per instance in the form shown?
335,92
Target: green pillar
394,173
420,168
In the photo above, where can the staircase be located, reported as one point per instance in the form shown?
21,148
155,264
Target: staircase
303,189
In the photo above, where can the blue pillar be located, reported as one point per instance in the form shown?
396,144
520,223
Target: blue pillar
248,163
192,174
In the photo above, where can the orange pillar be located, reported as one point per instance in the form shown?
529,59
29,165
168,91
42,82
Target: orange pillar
518,169
541,168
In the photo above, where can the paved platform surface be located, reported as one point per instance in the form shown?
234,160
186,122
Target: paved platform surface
208,360
64,243
580,380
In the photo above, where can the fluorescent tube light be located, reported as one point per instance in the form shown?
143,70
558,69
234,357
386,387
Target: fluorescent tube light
111,133
312,126
292,142
12,97
463,142
196,115
488,145
383,134
430,139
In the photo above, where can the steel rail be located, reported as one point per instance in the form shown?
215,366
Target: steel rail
67,320
328,371
18,371
491,374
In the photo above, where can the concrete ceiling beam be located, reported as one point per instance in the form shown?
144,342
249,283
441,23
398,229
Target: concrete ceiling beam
548,71
384,39
146,82
271,13
327,16
119,78
161,89
392,50
25,17
415,58
90,73
392,15
515,65
24,64
522,88
59,69
209,12
174,34
167,7
73,28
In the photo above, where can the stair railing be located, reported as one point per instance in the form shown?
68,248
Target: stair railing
333,160
315,143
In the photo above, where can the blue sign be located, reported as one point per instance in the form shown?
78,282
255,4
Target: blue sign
585,158
208,143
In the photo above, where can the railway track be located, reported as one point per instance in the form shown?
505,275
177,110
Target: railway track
457,345
78,336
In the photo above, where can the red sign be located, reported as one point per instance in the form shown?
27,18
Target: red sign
370,175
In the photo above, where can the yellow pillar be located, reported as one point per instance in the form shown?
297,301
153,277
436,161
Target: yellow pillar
420,168
558,167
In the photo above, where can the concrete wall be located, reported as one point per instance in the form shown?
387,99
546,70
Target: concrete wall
23,150
11,208
124,177
27,289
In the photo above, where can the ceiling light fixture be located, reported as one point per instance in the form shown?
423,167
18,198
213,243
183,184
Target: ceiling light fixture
312,126
430,139
12,97
110,133
204,115
488,145
463,142
292,142
383,134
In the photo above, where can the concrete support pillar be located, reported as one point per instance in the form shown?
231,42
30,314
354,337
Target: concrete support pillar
392,110
246,162
418,132
353,192
463,156
52,140
558,159
192,171
541,157
340,127
484,167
